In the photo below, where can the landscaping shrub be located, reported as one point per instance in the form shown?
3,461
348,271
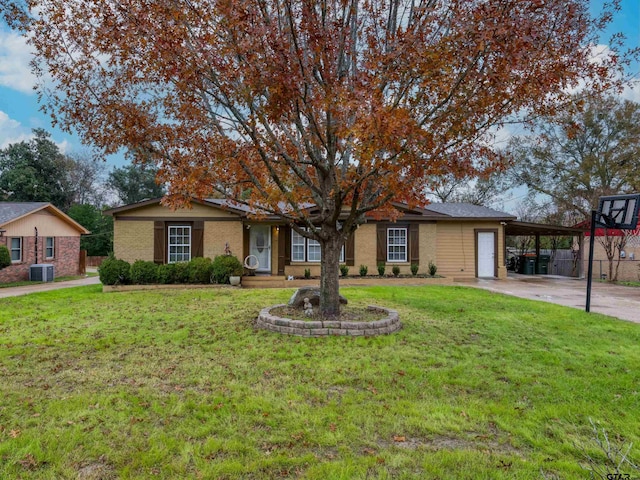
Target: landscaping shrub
414,269
5,257
144,272
396,270
200,270
114,272
307,273
381,269
225,266
182,272
167,273
432,269
344,270
363,270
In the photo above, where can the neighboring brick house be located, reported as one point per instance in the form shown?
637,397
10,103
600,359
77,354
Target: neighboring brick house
58,239
464,241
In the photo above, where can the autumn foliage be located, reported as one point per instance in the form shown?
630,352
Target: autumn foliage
348,105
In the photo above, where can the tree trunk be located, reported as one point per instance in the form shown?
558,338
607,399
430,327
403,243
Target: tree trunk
329,268
610,278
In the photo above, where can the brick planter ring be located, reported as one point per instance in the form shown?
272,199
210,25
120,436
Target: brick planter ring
303,328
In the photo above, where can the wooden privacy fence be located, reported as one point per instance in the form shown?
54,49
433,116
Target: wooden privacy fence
563,262
82,262
95,261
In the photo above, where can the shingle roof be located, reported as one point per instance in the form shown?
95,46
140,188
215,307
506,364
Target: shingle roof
444,211
466,210
12,210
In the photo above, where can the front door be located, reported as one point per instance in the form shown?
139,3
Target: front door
260,246
486,254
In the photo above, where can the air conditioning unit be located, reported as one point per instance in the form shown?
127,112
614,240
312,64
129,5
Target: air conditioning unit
41,272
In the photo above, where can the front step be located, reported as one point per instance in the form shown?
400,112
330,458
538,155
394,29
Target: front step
264,281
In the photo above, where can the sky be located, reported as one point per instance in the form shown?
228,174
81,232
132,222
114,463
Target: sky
20,111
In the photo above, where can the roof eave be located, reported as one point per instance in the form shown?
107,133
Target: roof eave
145,203
55,211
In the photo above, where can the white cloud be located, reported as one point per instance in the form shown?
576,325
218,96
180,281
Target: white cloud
64,147
632,92
12,131
15,55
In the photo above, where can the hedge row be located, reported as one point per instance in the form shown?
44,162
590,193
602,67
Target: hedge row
5,257
199,270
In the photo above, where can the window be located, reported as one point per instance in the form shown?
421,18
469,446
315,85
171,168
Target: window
297,247
179,244
49,247
396,245
16,249
314,252
306,249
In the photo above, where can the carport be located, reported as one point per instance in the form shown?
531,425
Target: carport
538,230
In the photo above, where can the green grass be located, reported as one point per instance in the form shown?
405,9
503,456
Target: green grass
629,284
178,384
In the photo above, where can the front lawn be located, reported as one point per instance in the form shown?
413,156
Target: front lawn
178,384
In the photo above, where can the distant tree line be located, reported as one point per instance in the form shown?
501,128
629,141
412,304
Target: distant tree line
80,185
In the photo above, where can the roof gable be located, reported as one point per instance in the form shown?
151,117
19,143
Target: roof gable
12,211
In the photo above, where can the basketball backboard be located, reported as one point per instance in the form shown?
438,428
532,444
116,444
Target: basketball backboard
619,211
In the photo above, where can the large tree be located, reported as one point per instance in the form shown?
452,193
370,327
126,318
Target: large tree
349,105
86,177
100,241
36,171
133,183
588,150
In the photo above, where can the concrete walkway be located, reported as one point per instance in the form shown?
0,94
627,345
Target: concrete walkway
44,287
613,300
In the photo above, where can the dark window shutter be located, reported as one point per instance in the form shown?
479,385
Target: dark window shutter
350,250
197,239
381,244
287,245
414,243
282,234
245,242
159,242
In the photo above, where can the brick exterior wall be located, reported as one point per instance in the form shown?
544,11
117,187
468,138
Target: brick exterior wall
66,259
365,253
133,240
217,234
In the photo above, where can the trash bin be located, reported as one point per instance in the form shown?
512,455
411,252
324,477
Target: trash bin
542,265
527,264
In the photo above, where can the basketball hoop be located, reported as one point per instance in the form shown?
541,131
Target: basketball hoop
618,212
633,238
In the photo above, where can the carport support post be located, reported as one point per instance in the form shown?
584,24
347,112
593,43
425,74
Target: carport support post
592,238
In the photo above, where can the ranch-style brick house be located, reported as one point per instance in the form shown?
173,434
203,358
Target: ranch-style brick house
463,240
37,233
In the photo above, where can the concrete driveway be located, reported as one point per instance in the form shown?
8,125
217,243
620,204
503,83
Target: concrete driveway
614,300
43,287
